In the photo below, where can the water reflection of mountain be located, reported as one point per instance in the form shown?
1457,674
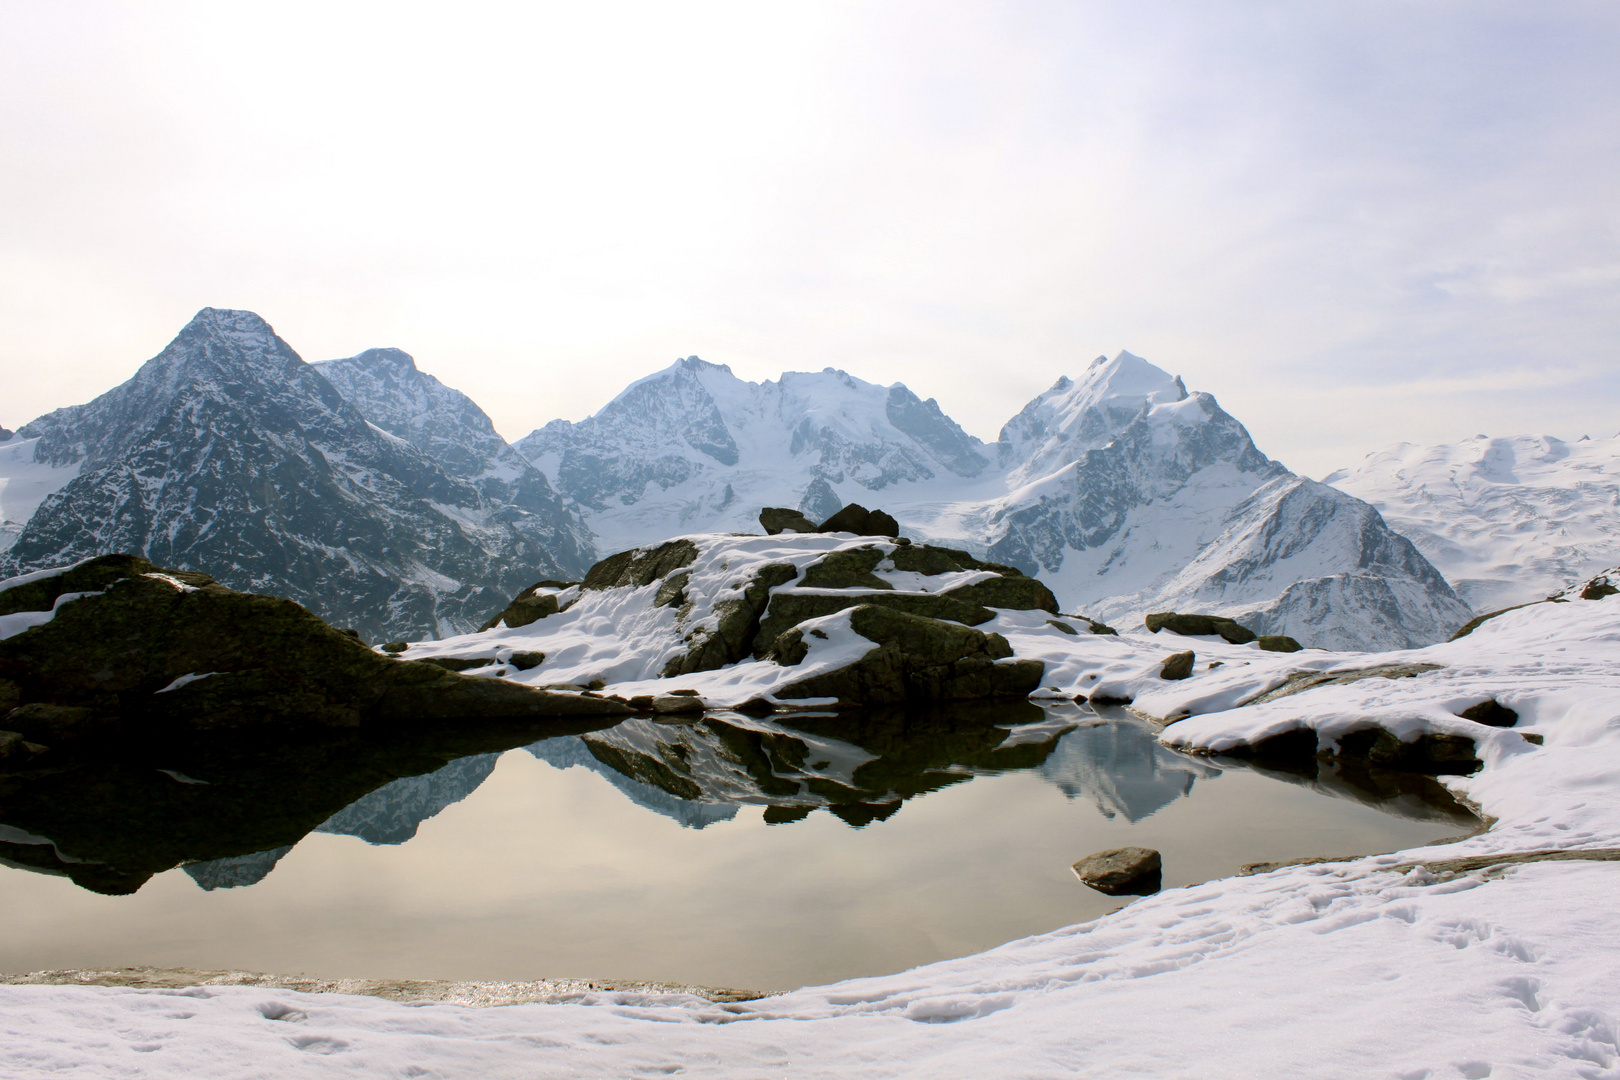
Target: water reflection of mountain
393,813
1120,766
228,813
571,752
228,807
389,815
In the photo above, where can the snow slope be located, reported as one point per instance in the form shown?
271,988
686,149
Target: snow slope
1410,965
1124,491
1507,519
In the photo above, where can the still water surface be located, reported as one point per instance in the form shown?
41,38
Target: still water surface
728,852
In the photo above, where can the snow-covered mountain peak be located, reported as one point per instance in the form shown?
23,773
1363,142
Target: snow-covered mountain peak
1077,415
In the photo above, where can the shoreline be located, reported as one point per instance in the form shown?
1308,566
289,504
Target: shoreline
478,994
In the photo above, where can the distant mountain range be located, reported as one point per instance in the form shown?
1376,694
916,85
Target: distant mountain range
384,500
1120,489
1507,520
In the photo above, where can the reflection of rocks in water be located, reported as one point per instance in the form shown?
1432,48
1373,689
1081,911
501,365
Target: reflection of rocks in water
571,751
237,870
1415,796
861,765
392,813
1120,765
111,821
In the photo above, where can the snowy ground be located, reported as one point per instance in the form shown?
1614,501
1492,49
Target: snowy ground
1387,966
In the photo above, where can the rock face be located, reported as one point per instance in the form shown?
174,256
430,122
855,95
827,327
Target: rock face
1123,490
118,646
1507,520
226,453
1126,870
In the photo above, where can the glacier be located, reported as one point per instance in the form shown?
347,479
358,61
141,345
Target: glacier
1507,520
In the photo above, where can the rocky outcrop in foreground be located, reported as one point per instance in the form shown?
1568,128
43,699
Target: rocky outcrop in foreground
804,612
118,645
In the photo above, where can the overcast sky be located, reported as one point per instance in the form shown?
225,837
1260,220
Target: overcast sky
1353,222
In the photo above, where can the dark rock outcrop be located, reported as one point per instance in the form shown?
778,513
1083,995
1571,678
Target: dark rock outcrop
736,626
776,519
1278,643
133,648
791,607
641,566
1200,626
530,605
916,659
857,519
1491,713
1134,871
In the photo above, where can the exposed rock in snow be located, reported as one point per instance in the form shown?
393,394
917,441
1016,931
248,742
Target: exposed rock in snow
1507,520
228,452
793,618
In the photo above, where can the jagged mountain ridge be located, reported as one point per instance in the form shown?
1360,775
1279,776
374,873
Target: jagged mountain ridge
694,448
1507,520
1122,489
227,451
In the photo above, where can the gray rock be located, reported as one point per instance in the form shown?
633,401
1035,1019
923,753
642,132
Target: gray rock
1132,870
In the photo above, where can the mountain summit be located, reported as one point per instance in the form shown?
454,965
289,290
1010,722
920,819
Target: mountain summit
227,451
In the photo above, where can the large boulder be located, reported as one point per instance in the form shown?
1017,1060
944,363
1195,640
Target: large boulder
791,607
117,644
857,519
640,566
917,659
1200,626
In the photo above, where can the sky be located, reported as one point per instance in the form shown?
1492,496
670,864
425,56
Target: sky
1353,222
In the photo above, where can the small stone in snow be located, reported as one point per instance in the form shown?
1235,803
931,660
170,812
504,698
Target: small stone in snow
1177,665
